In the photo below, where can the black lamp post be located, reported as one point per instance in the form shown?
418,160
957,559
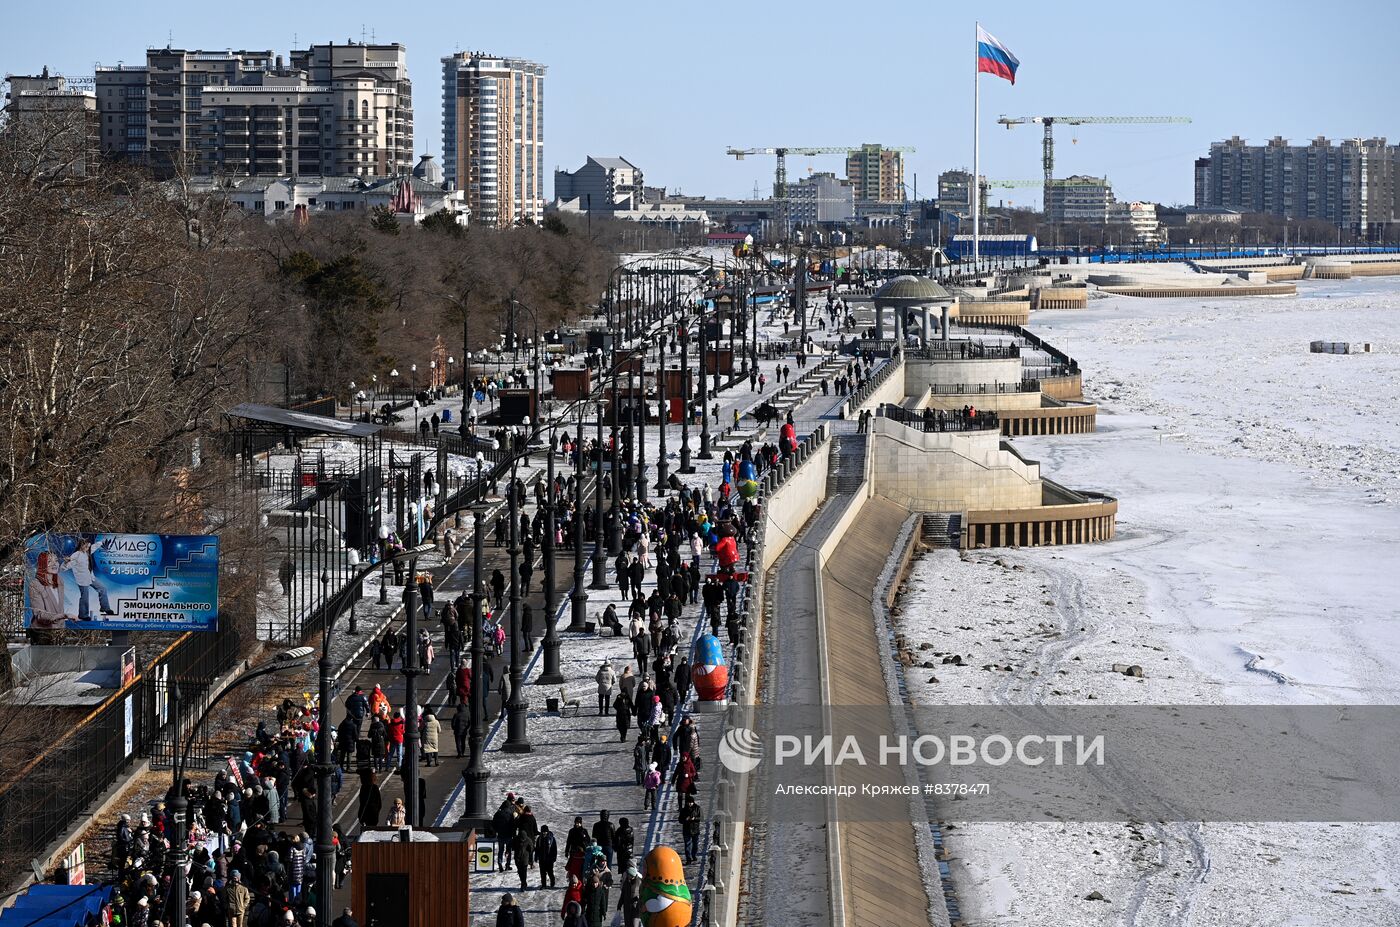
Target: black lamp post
662,467
476,775
517,741
614,510
383,565
551,674
639,412
410,670
704,393
578,614
686,465
599,561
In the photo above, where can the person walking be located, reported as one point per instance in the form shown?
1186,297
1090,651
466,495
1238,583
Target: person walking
603,832
461,727
624,842
395,727
690,827
523,850
622,708
432,730
546,855
650,782
606,679
629,897
508,914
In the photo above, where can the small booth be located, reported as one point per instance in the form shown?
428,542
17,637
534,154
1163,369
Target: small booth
405,877
514,404
571,383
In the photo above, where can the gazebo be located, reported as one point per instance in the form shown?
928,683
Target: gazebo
908,296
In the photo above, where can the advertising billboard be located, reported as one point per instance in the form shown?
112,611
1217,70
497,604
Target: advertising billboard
121,582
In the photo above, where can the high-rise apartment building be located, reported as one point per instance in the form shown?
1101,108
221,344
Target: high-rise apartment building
57,114
338,109
1079,199
1354,184
493,135
820,198
955,192
876,174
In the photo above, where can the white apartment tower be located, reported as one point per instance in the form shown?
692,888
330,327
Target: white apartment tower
493,135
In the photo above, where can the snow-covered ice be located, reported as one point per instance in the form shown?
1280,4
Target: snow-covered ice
1254,564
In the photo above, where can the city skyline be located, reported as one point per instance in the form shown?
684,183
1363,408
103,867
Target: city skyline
675,119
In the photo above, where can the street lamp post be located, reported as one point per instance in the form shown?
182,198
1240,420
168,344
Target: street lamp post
516,739
551,674
639,412
476,775
410,670
600,580
578,614
383,565
662,467
704,393
686,465
614,510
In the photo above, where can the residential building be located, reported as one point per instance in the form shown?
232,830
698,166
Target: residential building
493,135
62,116
602,184
1079,200
412,197
1354,184
1137,219
876,174
819,199
338,109
955,192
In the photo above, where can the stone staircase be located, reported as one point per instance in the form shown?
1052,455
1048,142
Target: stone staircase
847,471
942,529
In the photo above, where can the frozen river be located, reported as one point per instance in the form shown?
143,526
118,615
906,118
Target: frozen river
1256,563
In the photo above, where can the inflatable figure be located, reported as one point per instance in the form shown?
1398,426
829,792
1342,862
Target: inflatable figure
711,671
746,470
665,896
748,488
727,552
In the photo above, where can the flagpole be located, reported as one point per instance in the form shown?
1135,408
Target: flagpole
976,185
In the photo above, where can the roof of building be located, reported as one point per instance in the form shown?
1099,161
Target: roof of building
913,289
612,163
302,421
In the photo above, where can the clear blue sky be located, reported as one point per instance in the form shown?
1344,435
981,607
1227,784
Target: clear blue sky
670,85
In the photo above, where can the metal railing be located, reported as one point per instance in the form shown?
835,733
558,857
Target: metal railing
963,389
966,350
939,420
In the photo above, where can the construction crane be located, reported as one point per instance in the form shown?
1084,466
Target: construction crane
1047,156
780,174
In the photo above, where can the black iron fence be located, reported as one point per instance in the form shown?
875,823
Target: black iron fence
962,389
941,420
966,350
55,788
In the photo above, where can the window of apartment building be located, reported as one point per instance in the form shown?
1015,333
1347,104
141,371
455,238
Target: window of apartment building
280,205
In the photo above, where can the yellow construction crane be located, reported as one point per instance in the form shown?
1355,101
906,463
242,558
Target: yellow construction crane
780,174
1047,154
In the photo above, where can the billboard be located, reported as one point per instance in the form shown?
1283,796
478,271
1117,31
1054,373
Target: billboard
121,582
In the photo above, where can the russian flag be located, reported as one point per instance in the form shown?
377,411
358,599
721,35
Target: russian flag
994,57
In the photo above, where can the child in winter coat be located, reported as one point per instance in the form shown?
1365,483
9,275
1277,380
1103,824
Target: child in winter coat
651,782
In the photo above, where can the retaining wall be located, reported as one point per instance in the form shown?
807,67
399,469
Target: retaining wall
928,471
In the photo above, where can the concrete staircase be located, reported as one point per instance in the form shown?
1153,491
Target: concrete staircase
942,529
847,471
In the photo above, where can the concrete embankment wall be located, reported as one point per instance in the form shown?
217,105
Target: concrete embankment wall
919,375
927,471
794,502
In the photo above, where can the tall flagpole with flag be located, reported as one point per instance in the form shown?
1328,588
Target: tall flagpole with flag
992,58
975,188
